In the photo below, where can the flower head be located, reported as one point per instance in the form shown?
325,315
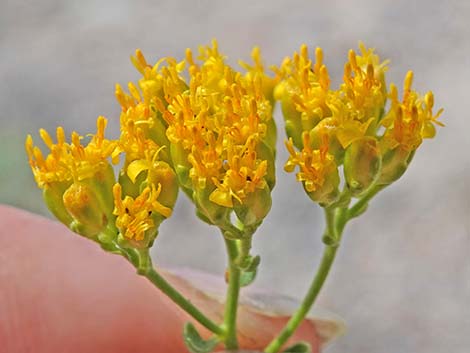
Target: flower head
136,216
350,117
410,120
304,91
317,169
76,178
49,169
69,161
219,124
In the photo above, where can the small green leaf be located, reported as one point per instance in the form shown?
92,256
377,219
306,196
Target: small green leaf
249,271
250,263
247,278
300,347
254,263
195,343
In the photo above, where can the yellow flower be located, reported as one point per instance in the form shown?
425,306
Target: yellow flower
52,168
157,81
87,160
135,217
314,164
244,176
318,171
139,107
134,144
306,87
67,162
410,120
363,86
258,70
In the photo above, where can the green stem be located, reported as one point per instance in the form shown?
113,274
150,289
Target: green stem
244,248
328,257
336,219
294,322
330,222
341,218
233,290
138,258
352,212
182,302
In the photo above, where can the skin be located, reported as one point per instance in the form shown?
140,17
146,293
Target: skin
60,292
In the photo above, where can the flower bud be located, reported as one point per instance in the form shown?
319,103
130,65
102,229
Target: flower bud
255,207
102,185
263,152
84,205
158,134
53,197
362,164
148,238
292,117
328,193
268,85
138,217
162,174
210,211
128,186
394,164
271,135
180,162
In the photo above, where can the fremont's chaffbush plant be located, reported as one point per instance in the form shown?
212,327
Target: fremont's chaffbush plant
200,126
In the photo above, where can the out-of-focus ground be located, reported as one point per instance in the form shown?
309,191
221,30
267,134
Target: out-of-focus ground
402,279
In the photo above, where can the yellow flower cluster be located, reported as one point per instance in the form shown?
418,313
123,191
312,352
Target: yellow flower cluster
200,125
349,118
220,127
212,125
197,124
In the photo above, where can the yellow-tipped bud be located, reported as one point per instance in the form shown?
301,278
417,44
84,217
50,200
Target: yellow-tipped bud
83,204
328,193
180,162
362,164
210,211
394,164
292,120
53,197
255,207
318,171
158,134
162,174
102,184
265,153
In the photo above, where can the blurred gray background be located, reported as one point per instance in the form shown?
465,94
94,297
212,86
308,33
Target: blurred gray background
402,279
